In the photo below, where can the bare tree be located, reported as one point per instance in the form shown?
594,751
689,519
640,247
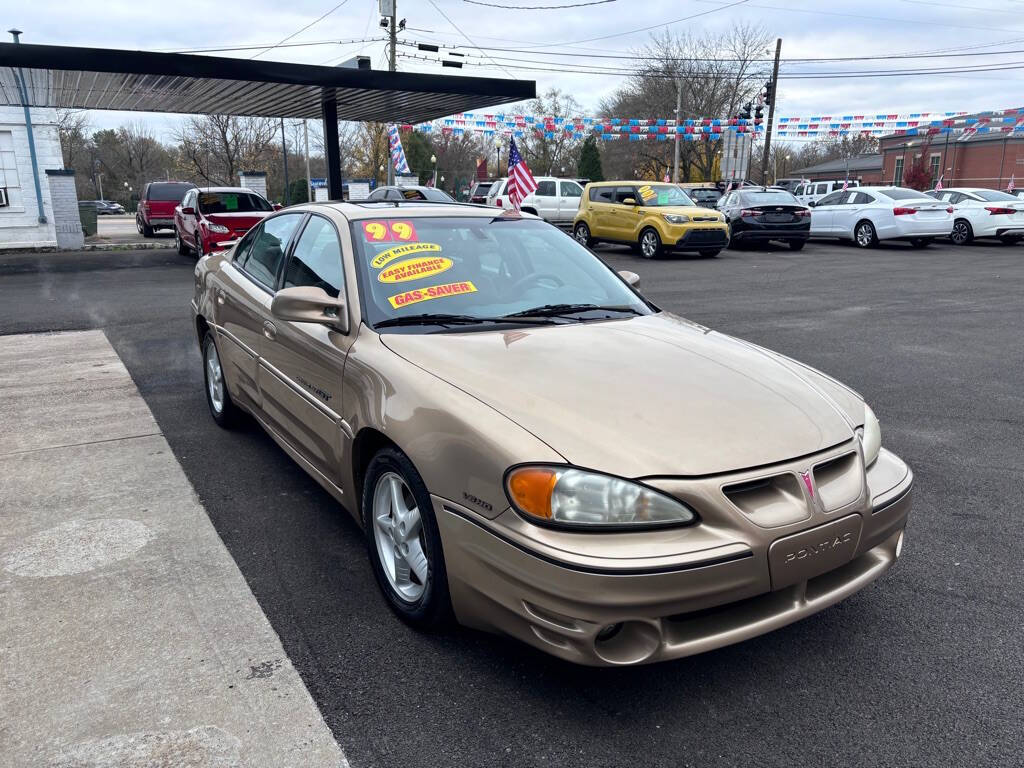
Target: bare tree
547,155
214,148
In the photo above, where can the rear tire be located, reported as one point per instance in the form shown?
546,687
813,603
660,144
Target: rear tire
650,244
582,234
222,407
180,244
963,232
422,603
147,231
864,235
796,245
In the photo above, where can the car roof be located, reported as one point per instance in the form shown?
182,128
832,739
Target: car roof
404,209
228,189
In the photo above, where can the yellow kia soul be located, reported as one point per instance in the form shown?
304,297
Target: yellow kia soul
655,218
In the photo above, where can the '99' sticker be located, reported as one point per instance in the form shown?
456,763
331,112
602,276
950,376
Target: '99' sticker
385,231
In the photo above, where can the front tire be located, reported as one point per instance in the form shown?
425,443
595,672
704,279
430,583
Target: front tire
582,234
963,232
650,244
404,542
180,244
864,235
222,408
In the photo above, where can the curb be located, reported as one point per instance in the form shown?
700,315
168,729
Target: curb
93,247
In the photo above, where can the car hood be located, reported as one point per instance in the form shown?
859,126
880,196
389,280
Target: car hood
680,210
652,395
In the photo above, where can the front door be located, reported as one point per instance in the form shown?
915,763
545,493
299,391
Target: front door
569,193
546,200
303,363
823,215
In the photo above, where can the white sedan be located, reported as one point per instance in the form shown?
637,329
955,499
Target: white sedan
867,215
979,212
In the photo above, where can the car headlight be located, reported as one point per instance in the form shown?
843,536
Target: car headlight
676,218
218,228
870,436
576,498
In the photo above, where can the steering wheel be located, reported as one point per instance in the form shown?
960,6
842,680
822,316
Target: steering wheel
537,277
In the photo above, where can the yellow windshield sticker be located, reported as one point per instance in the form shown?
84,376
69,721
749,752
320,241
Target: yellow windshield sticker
414,269
400,251
433,292
647,193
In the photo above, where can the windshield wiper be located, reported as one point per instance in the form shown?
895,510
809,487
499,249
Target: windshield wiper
556,310
445,319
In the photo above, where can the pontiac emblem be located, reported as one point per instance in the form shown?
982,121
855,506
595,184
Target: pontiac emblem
807,482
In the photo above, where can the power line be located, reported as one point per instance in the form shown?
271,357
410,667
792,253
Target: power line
538,7
456,26
276,45
299,32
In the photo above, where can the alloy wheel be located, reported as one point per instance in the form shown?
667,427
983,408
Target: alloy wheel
865,235
214,378
961,233
582,234
649,244
399,536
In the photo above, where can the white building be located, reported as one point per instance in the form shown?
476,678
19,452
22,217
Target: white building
23,222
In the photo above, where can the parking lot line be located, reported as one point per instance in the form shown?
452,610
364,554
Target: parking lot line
129,636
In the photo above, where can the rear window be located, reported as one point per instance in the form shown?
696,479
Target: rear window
168,191
705,194
232,202
898,193
768,198
481,189
994,196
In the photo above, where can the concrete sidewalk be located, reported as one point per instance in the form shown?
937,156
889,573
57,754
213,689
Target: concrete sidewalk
128,636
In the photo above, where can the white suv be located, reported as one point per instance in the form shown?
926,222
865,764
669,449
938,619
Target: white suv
812,191
556,200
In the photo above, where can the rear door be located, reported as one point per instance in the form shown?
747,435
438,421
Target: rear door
600,204
569,194
545,200
243,298
303,363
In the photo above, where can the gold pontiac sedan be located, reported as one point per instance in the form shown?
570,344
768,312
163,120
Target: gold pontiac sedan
534,448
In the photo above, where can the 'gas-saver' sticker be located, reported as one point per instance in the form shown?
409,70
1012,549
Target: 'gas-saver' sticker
433,292
414,269
399,251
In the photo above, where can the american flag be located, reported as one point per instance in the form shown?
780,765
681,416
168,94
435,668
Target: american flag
1011,187
520,180
938,184
397,153
846,184
667,179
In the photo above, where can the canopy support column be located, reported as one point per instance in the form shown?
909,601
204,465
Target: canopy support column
332,148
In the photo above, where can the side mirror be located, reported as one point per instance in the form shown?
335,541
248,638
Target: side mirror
308,304
811,203
278,206
629,201
630,277
189,211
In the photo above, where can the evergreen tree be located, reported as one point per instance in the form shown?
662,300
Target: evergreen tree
590,160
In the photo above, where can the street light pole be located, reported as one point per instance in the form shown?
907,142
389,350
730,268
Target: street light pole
679,109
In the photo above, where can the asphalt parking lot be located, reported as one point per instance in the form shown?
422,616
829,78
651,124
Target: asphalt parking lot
921,668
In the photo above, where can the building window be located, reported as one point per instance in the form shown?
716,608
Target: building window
897,177
9,171
935,168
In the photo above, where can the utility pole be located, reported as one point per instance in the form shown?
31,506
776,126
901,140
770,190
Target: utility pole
679,109
284,148
771,112
385,7
309,181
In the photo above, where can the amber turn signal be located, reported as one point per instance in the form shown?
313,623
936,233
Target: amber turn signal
530,489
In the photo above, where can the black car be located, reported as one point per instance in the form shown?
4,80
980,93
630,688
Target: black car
398,194
759,214
108,208
705,197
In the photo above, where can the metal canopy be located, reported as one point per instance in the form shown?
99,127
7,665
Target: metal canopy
96,78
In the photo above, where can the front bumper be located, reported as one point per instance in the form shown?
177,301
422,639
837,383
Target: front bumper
668,607
681,237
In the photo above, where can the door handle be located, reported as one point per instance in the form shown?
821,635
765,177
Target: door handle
220,297
269,330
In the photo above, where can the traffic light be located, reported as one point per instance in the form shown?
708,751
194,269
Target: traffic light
745,112
766,92
759,113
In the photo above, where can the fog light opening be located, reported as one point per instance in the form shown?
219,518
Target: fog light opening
899,544
629,642
608,633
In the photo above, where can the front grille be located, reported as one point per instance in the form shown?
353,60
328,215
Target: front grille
705,237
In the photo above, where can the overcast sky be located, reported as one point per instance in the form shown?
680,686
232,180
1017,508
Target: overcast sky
809,28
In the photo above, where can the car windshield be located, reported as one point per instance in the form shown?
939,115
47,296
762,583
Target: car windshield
898,193
771,197
481,267
232,202
662,194
992,196
168,191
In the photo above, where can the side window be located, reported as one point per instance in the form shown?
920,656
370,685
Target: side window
602,194
863,198
243,247
316,258
832,199
799,190
377,194
545,189
268,248
621,193
821,189
570,189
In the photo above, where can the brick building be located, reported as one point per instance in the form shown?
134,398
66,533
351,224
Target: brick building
867,169
982,160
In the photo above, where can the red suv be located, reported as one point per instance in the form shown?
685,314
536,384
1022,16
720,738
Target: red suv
211,216
156,208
